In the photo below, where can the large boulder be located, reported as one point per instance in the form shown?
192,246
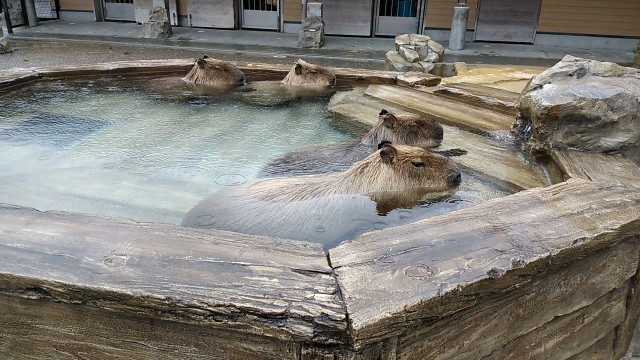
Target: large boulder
581,104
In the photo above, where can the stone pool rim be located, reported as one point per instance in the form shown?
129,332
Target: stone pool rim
342,302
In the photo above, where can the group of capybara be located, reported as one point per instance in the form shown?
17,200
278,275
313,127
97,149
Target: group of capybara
319,193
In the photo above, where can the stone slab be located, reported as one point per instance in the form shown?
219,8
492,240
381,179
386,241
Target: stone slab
272,287
444,110
478,95
396,278
597,167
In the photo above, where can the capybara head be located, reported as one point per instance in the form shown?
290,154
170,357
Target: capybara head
411,130
209,71
305,74
402,168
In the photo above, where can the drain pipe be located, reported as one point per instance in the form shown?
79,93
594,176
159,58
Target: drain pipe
32,16
304,10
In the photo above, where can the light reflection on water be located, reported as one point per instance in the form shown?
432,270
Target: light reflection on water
103,147
110,148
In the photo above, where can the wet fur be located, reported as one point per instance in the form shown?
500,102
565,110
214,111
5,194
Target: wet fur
371,176
331,207
306,74
405,129
209,71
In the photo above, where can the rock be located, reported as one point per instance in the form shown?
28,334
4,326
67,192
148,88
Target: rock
5,45
427,66
460,67
158,26
582,104
312,34
412,79
416,47
437,48
409,54
393,61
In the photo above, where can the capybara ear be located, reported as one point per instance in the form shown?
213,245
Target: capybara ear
389,120
388,153
298,69
205,56
383,143
383,112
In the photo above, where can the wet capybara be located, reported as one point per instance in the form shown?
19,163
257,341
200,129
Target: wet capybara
411,130
304,81
330,207
309,75
209,71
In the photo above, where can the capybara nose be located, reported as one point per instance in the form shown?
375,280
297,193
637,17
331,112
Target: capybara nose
455,179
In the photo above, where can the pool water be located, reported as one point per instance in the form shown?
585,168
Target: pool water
112,147
107,147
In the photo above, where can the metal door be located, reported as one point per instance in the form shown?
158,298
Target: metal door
399,16
354,17
507,20
261,14
121,10
46,10
218,14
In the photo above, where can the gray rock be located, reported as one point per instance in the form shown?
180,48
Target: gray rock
437,48
5,45
158,26
582,104
409,54
156,30
427,66
312,34
393,61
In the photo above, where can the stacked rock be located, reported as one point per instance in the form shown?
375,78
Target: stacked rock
414,52
158,26
5,47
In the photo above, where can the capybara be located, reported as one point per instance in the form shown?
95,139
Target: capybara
411,130
209,71
309,75
330,207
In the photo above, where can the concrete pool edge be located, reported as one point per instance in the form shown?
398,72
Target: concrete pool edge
309,317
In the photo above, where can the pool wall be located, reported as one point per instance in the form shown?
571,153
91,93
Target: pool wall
550,272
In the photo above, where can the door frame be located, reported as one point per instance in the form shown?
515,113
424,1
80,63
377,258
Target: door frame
420,12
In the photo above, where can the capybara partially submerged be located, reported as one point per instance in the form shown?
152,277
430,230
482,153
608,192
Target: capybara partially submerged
410,130
213,72
330,207
304,81
309,75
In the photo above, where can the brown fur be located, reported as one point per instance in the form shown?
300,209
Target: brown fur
389,171
411,129
407,130
332,207
208,71
306,74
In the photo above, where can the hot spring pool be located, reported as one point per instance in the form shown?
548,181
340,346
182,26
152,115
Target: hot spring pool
109,148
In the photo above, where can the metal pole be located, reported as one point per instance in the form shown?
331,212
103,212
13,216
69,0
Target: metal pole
7,18
32,16
304,10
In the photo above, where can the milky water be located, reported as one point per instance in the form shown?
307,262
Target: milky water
107,147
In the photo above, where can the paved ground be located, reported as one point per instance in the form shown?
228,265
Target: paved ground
61,42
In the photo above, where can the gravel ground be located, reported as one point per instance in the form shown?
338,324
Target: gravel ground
39,53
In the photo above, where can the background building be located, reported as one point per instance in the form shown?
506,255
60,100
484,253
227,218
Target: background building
613,24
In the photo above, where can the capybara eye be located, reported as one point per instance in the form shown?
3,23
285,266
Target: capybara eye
417,163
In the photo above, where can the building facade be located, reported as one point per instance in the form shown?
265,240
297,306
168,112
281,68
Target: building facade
611,24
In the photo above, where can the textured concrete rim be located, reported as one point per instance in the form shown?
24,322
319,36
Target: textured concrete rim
14,78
